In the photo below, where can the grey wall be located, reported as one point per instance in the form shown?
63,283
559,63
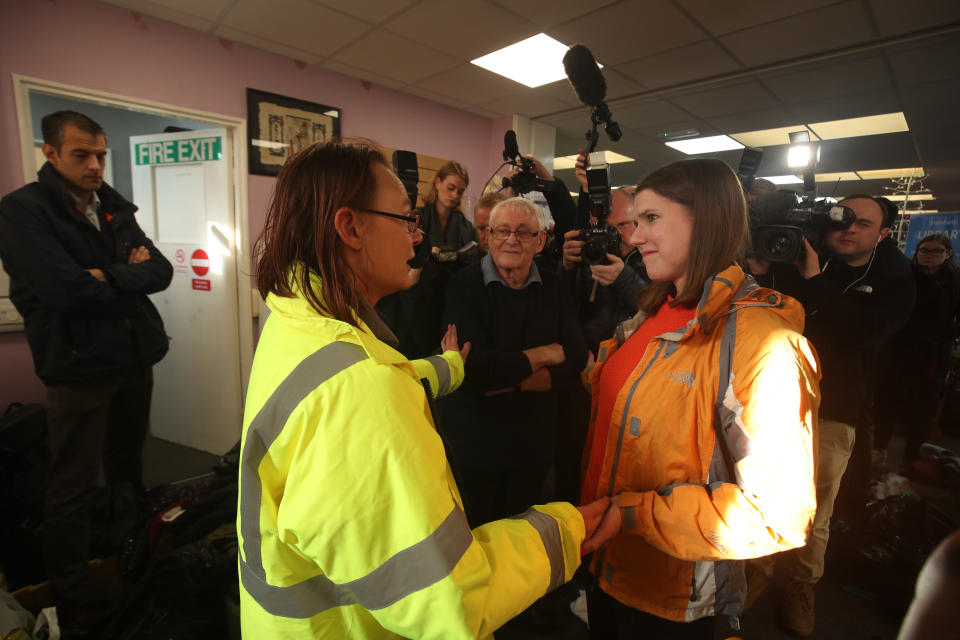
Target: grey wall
119,124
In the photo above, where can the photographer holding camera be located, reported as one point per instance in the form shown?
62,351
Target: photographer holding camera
605,292
855,300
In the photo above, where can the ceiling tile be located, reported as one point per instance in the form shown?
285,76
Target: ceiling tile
896,16
619,85
200,18
525,103
629,30
361,74
560,91
724,16
373,11
651,112
925,62
470,84
753,120
467,29
840,25
267,45
836,108
395,57
486,113
691,62
731,98
573,125
835,78
655,132
298,24
208,10
548,13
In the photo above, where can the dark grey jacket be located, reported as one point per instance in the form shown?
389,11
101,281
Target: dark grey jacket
77,326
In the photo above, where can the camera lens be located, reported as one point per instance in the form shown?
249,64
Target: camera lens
779,245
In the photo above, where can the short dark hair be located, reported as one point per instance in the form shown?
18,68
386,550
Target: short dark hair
53,125
888,210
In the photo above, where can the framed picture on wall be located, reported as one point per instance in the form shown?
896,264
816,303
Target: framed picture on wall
279,126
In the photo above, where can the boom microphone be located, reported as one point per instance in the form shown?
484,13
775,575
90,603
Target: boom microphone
510,147
585,75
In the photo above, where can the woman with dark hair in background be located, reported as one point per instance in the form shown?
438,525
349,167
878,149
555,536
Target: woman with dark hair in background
415,315
912,381
705,408
350,522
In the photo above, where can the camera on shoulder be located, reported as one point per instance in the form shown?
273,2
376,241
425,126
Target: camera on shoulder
780,221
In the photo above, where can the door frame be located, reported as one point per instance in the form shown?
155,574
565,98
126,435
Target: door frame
236,127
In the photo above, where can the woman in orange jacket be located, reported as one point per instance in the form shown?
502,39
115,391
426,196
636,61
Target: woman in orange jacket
704,416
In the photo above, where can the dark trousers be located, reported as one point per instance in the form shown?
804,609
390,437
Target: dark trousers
493,494
612,620
91,425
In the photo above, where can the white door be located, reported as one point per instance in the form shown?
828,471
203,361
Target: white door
182,184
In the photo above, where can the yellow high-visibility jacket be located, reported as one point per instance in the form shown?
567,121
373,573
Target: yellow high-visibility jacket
350,523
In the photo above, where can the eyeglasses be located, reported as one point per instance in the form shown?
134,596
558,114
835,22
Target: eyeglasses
935,252
413,222
522,236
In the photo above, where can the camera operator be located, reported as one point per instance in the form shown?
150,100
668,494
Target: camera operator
855,300
617,283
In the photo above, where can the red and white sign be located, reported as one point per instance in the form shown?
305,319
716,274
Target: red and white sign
200,284
181,256
200,262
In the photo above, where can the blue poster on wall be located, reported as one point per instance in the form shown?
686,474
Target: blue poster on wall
924,224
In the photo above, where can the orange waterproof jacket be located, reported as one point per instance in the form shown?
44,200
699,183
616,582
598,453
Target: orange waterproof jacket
693,504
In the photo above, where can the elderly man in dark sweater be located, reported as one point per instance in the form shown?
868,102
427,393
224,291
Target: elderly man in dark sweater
527,348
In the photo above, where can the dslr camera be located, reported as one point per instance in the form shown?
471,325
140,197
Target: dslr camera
599,238
780,221
526,180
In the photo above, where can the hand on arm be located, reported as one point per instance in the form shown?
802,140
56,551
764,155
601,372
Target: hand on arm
602,520
545,355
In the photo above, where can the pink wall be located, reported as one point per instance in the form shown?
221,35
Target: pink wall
113,50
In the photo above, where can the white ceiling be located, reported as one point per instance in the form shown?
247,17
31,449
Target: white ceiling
720,66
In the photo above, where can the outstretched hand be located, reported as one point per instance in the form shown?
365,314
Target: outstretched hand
603,528
449,342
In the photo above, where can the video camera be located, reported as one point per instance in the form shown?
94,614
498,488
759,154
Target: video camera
780,221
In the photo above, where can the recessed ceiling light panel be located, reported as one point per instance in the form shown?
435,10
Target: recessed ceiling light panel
783,179
711,144
536,61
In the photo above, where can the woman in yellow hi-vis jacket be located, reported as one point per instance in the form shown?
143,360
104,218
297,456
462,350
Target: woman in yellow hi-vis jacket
350,522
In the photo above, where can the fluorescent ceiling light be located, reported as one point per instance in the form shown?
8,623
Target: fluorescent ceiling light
710,144
855,127
849,128
769,137
570,162
920,211
882,174
913,197
783,179
843,176
536,61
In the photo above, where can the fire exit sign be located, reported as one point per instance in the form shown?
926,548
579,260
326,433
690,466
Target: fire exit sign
175,151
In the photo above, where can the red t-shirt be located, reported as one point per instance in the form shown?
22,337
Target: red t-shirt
614,375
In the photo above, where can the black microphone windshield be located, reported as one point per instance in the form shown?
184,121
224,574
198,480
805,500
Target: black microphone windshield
510,147
584,75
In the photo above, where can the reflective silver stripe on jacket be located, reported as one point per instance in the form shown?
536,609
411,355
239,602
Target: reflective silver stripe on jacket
442,367
549,532
406,572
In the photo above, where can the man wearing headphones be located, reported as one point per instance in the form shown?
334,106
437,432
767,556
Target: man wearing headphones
855,300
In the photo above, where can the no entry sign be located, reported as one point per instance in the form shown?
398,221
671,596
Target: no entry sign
200,262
